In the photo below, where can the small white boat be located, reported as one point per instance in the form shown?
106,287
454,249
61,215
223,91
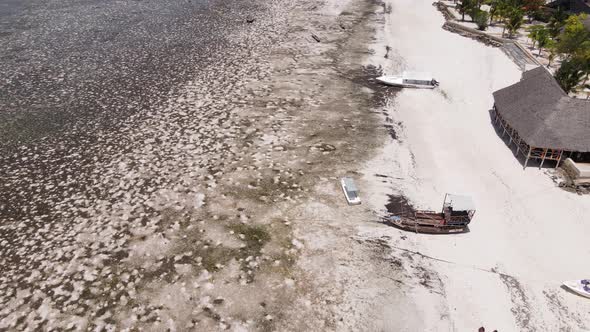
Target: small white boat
581,287
410,80
350,191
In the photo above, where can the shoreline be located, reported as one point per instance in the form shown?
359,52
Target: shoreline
196,223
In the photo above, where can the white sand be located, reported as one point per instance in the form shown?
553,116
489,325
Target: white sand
525,227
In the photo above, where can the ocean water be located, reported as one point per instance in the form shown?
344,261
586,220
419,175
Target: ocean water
10,7
87,63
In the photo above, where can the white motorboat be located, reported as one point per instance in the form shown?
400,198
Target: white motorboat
350,191
410,80
581,287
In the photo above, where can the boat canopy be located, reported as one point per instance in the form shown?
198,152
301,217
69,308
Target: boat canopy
460,203
350,186
418,76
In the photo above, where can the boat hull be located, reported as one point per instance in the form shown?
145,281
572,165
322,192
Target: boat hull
412,225
577,287
398,83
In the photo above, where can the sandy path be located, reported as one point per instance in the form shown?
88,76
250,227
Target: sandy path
527,230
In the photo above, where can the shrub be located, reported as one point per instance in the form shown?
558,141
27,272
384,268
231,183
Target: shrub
481,18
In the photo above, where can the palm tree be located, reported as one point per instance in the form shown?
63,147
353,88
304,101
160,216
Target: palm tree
569,75
534,32
503,12
465,6
496,9
557,21
543,39
514,22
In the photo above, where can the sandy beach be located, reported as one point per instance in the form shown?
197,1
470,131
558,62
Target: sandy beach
527,234
205,196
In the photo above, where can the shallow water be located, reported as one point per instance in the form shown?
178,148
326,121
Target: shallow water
93,93
73,62
10,7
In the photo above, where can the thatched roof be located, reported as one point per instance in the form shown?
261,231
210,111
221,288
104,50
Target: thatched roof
572,6
543,114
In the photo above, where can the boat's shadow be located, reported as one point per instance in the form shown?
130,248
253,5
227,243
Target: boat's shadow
386,222
571,291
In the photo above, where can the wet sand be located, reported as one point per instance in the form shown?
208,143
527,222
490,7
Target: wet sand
158,174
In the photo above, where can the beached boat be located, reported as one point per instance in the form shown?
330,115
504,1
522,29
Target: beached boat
350,191
410,80
581,287
455,217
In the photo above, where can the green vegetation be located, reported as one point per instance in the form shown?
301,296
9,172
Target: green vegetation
494,4
557,22
255,236
575,39
532,8
533,32
481,19
569,74
544,41
573,44
541,36
214,256
467,7
564,37
514,17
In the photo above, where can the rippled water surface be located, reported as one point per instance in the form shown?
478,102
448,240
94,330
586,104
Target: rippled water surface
66,63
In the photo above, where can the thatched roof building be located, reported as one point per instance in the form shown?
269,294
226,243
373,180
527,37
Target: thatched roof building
571,6
541,119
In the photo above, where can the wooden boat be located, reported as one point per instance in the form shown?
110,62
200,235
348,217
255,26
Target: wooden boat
410,80
581,287
455,217
350,191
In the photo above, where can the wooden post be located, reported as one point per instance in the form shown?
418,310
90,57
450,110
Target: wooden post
543,160
559,160
527,157
496,118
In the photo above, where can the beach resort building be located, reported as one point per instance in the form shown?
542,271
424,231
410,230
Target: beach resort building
542,122
571,6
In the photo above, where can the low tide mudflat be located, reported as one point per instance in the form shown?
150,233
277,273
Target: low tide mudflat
156,158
